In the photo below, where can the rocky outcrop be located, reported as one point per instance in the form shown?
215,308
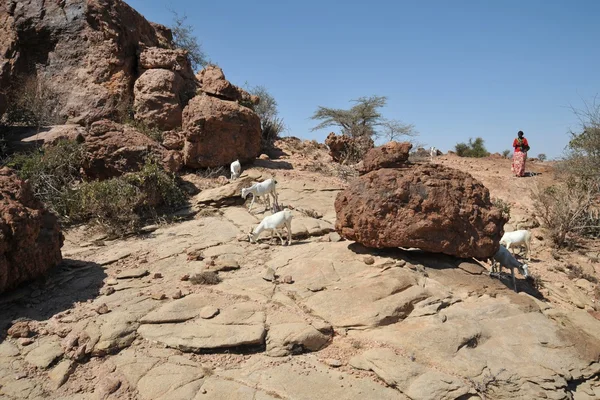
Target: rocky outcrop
114,149
173,140
430,207
218,132
390,155
85,52
212,81
30,236
343,147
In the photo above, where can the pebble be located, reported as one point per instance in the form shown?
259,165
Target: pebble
102,309
25,341
208,312
157,275
159,296
264,246
332,362
111,281
334,237
185,277
269,275
288,279
109,290
369,260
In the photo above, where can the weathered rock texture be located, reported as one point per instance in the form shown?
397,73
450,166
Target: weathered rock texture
344,147
212,81
30,236
390,155
218,132
164,87
430,207
84,51
115,149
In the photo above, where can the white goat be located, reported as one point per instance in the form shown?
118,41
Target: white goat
505,259
265,188
272,222
236,169
432,153
517,238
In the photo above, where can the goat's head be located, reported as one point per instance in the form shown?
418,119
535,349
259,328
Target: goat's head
524,270
244,193
251,237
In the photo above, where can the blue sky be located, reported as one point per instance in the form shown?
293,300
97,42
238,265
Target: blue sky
455,69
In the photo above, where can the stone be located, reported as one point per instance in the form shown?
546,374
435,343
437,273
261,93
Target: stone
340,146
82,58
157,275
269,275
264,246
369,260
390,155
173,140
333,362
54,134
114,149
334,237
178,311
102,309
109,290
212,81
133,273
315,288
294,338
219,195
60,373
207,312
218,132
159,99
288,279
159,296
30,235
430,207
177,295
112,281
171,381
108,385
45,354
25,341
185,277
20,329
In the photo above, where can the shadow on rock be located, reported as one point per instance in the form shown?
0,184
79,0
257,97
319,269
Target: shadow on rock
72,281
270,164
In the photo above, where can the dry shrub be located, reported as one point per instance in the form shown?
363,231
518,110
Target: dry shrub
565,208
33,102
576,272
503,206
205,278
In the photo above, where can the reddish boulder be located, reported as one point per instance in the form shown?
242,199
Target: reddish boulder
170,59
390,155
218,132
212,81
342,147
430,207
30,236
85,52
157,100
173,140
114,149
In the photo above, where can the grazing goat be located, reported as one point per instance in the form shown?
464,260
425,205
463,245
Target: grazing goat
505,259
236,169
272,222
265,188
517,238
432,153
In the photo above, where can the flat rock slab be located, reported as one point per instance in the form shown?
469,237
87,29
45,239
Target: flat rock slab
207,312
230,190
113,257
45,354
132,273
410,377
180,310
241,324
293,338
168,381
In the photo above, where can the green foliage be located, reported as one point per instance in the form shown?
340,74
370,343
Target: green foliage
542,157
475,148
506,153
272,126
119,205
184,38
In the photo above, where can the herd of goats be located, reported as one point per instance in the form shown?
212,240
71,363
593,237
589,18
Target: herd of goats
283,218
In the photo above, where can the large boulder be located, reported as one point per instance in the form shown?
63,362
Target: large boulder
430,207
156,99
84,52
30,236
342,147
212,81
175,60
218,132
390,155
114,149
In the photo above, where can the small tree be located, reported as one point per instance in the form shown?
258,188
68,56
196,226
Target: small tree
475,148
184,38
359,121
506,153
393,130
271,124
541,157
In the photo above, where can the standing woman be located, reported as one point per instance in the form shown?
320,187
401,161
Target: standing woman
520,156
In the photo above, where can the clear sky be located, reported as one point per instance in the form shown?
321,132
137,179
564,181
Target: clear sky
455,69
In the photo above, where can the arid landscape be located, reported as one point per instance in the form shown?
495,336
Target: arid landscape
127,271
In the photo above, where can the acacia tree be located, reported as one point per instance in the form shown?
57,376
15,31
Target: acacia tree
270,122
184,38
393,130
